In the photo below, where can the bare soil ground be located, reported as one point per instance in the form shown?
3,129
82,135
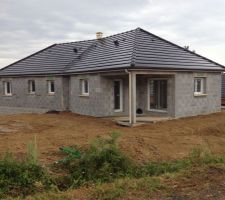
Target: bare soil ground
166,140
207,183
202,183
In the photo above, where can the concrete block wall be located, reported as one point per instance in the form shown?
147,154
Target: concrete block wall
95,104
41,99
66,92
186,104
100,101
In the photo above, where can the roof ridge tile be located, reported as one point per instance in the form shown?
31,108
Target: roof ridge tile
133,56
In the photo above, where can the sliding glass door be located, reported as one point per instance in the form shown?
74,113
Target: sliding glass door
157,94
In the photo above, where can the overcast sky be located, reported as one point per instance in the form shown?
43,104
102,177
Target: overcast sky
27,26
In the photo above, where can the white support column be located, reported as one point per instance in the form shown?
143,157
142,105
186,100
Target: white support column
132,97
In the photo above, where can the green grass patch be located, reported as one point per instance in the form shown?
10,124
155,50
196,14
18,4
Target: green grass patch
50,195
121,187
104,162
101,163
20,178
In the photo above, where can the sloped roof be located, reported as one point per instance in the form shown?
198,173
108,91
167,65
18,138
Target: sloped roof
132,49
51,60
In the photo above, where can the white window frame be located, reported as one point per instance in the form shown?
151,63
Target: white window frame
202,86
5,87
148,96
121,95
82,87
49,87
30,88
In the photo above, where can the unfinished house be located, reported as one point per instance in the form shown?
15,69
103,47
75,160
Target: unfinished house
131,74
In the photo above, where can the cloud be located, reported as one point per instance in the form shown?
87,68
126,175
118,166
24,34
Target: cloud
30,25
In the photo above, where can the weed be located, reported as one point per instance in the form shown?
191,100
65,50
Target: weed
200,156
120,188
150,184
108,193
101,163
32,155
104,162
21,178
51,195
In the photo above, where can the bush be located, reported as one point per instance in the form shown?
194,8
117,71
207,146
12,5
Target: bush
21,178
102,162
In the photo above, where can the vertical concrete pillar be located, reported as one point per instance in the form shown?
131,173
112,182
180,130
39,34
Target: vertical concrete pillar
132,97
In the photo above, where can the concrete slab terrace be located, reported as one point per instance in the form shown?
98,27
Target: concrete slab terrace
140,120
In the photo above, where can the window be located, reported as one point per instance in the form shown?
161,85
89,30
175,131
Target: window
84,87
157,94
51,87
7,88
118,95
31,87
199,86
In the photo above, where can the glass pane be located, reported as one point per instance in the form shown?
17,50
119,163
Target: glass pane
163,94
33,86
153,94
116,95
8,88
158,94
52,86
198,85
86,86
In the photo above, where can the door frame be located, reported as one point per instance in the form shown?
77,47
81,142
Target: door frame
121,96
148,96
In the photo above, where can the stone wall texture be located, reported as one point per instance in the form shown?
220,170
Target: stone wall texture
100,102
186,104
41,99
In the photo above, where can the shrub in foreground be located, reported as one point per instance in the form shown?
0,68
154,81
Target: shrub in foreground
102,162
21,178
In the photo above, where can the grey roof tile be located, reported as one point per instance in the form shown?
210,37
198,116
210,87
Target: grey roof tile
132,49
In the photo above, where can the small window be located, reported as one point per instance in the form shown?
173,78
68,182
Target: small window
84,87
51,87
7,88
199,86
31,87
